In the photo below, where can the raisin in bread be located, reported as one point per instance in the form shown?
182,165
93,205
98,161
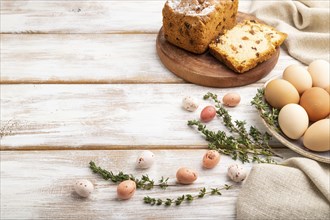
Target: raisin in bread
193,24
277,37
246,45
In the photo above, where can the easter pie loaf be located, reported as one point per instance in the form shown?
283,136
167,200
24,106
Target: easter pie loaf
246,45
276,37
193,24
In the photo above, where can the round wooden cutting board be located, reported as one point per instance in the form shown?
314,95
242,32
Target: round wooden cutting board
206,70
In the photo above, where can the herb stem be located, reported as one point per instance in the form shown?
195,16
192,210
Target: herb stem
245,145
186,197
144,183
268,113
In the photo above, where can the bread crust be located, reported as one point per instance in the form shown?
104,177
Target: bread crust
194,32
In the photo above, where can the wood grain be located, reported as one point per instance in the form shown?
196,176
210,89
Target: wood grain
38,185
80,16
90,58
106,116
206,70
76,58
53,16
93,42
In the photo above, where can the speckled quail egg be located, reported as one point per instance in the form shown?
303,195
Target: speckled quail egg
126,189
186,176
231,99
208,113
145,160
83,187
189,103
211,159
236,173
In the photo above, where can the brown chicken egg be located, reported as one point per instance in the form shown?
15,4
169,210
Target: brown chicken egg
280,92
319,71
299,77
293,120
328,89
316,102
317,136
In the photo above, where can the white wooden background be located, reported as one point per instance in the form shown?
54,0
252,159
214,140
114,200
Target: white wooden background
81,81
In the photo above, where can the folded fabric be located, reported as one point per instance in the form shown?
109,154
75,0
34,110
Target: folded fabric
299,188
305,21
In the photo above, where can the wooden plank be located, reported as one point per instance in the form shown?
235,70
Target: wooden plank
80,16
108,116
92,58
89,58
38,185
19,16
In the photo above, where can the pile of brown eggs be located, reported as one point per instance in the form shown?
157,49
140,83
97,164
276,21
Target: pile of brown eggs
302,95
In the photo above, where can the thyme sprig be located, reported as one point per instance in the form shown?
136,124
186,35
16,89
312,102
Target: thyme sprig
146,183
143,183
163,183
268,113
245,145
186,197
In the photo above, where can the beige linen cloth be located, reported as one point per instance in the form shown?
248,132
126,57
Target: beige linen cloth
299,188
305,21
